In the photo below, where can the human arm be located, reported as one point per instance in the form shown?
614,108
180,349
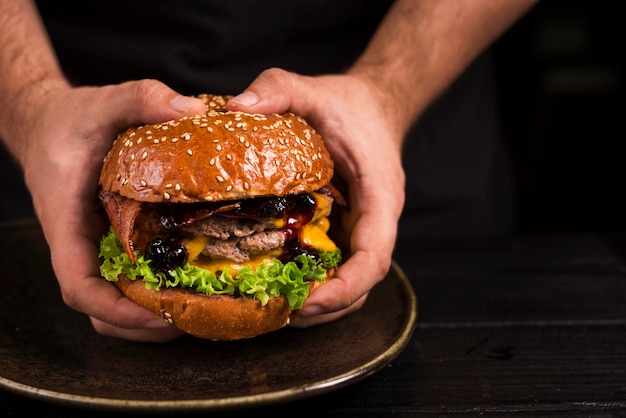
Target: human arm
59,135
420,48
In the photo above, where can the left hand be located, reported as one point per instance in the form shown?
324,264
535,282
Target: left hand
362,137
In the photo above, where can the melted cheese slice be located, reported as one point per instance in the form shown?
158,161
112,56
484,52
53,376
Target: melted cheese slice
314,235
233,267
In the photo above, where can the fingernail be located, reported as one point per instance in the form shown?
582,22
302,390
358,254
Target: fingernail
183,103
310,310
156,323
247,98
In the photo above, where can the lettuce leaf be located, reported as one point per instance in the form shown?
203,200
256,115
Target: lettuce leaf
270,279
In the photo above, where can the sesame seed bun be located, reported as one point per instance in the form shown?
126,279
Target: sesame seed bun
220,155
221,158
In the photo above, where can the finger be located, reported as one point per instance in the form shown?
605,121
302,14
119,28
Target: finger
163,334
298,321
275,91
76,266
145,101
372,241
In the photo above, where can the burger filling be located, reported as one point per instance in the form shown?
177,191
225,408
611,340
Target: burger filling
258,248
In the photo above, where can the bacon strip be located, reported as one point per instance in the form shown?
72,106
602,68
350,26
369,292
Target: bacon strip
122,213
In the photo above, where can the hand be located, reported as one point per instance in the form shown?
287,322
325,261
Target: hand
69,134
363,138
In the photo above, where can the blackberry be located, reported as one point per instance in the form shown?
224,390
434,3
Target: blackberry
165,255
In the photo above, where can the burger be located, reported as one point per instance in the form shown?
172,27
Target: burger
219,222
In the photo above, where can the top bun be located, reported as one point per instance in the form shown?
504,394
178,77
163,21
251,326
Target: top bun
220,155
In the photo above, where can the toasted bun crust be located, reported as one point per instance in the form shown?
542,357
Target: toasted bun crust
213,317
220,155
209,316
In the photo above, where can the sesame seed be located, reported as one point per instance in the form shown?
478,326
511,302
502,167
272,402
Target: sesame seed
144,155
229,157
169,185
219,178
174,140
143,183
177,187
166,195
218,147
246,185
190,152
212,161
229,188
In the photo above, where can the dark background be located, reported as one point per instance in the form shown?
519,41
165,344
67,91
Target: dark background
561,78
561,83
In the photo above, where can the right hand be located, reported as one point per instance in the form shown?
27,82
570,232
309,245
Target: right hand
68,134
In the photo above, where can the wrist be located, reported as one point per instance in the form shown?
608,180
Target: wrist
399,106
24,105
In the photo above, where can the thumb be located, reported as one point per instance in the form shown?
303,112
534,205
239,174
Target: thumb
274,91
147,101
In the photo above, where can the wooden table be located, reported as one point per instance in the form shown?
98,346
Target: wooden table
531,326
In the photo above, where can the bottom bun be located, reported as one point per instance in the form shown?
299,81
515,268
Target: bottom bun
214,317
